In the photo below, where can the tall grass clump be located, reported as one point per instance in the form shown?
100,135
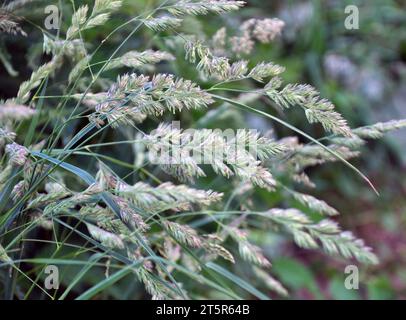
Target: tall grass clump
83,185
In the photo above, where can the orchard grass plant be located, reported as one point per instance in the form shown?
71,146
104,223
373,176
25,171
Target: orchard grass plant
99,179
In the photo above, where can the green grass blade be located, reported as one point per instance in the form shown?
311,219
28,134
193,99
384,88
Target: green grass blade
90,293
93,260
237,280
